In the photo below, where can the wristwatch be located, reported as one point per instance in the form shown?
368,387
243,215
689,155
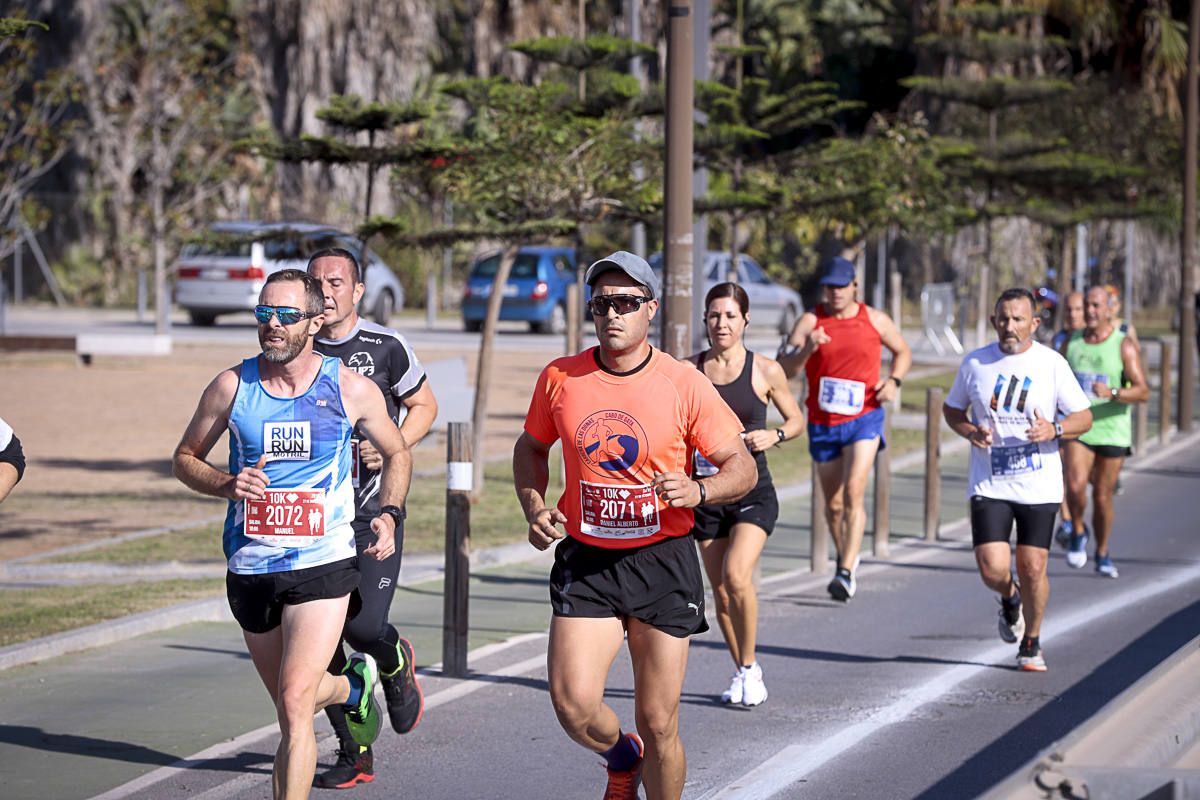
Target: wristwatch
896,381
1116,390
395,512
1057,429
782,436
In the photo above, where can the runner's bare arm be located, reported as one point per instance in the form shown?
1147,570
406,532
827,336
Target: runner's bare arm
422,411
8,479
736,474
956,418
1076,424
1138,390
367,411
801,337
778,393
890,336
208,423
531,474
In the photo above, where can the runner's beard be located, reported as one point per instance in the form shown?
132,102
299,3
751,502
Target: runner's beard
292,346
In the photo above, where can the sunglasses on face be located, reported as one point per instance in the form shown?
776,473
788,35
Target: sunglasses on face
622,303
287,315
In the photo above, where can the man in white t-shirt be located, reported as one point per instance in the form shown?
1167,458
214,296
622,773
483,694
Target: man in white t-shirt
1005,400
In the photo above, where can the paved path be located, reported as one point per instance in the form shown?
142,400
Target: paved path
905,692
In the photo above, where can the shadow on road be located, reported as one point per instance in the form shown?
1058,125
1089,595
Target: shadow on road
1054,721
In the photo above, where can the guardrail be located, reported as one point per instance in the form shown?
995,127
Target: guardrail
1143,745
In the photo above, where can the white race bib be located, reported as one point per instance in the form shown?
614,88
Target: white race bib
1087,379
286,517
618,512
841,396
1015,463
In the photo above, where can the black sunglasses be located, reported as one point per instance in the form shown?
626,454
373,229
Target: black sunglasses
287,315
623,303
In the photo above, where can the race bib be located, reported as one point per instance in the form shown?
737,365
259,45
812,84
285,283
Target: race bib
1014,463
1086,379
841,396
286,517
702,467
618,512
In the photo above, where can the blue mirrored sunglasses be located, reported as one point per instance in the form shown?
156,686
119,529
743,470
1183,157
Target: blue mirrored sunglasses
287,315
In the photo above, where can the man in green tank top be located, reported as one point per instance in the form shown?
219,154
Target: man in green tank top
1108,365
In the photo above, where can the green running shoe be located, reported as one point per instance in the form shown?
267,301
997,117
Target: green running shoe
363,719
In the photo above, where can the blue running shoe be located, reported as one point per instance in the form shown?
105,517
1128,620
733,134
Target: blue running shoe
1105,567
1077,550
1062,534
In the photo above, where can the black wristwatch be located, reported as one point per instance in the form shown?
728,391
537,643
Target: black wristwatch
395,512
782,436
896,381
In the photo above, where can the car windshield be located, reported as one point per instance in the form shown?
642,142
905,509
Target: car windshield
524,267
276,249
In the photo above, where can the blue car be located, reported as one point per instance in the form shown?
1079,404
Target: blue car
536,291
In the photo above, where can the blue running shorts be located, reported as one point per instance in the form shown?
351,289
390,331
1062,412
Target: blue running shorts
825,442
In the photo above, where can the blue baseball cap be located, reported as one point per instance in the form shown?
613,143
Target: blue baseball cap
632,265
837,271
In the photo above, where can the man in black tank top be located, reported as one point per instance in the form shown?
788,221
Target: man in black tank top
384,356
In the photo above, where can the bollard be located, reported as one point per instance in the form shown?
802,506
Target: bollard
1164,391
819,550
1141,423
456,591
431,302
933,461
883,492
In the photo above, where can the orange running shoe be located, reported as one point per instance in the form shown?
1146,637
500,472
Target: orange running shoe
623,784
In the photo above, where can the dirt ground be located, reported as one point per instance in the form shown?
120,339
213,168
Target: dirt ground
98,439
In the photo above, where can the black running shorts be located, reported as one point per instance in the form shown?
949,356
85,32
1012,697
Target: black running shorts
992,521
659,584
759,507
257,601
1108,450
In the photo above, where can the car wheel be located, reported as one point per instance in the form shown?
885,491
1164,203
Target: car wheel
555,324
202,319
472,325
384,306
788,320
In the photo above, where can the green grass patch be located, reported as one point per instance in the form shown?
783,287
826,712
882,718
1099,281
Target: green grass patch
32,613
912,395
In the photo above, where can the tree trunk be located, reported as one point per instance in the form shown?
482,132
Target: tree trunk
483,371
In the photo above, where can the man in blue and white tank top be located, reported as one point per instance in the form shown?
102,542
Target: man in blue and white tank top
288,536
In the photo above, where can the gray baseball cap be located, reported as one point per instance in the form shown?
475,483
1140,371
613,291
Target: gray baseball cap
632,265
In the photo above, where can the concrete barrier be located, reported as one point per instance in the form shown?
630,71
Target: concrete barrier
1143,745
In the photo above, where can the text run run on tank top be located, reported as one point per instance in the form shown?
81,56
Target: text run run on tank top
751,409
307,443
842,373
382,355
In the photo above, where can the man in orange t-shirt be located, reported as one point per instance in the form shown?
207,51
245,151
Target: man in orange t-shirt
629,417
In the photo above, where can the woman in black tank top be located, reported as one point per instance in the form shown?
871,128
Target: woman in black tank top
731,537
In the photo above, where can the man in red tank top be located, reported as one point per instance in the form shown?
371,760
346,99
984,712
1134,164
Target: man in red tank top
839,346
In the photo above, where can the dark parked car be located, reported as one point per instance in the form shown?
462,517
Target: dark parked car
536,291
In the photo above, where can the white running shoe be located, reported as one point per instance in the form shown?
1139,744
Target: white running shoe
754,691
733,695
1012,622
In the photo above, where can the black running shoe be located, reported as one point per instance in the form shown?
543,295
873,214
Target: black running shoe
350,769
405,700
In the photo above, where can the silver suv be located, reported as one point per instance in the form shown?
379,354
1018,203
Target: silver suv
226,276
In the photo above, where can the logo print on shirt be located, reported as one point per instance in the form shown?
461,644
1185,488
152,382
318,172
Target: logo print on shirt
362,363
1008,395
287,441
612,444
